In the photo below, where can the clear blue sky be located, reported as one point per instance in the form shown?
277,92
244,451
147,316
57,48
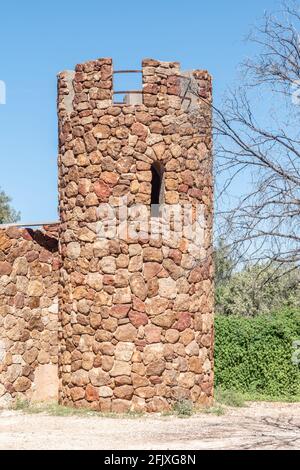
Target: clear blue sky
40,38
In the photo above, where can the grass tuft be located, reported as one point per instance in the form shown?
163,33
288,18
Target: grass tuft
229,397
54,409
255,396
183,408
217,410
21,404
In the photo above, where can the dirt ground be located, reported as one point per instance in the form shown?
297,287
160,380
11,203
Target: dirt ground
255,426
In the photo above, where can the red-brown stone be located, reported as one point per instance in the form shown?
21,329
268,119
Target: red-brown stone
5,268
183,322
102,190
138,318
120,311
91,393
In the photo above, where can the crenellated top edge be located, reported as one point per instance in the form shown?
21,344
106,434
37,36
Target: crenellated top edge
174,66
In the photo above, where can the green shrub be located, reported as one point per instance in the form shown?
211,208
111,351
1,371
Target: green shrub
254,355
21,404
229,397
217,410
257,290
184,408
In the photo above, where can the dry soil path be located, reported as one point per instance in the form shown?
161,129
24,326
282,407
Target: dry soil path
256,426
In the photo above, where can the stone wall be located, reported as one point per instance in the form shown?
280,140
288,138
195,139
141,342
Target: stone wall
136,315
122,321
29,272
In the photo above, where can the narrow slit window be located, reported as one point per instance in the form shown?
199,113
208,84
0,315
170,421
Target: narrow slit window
157,190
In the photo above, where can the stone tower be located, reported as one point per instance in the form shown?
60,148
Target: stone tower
135,305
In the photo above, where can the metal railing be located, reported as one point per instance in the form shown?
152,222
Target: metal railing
127,71
35,224
124,92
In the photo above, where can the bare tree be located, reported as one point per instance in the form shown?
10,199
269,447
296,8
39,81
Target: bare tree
262,149
257,148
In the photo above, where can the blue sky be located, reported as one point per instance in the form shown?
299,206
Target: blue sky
39,39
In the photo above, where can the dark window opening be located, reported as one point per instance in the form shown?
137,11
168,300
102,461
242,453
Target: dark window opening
157,171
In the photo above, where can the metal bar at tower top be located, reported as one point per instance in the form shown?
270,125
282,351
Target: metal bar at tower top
35,224
127,71
124,92
128,91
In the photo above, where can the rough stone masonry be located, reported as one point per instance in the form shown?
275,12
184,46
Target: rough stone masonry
123,322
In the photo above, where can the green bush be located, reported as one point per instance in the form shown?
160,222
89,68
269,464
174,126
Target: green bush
184,408
254,355
257,290
229,397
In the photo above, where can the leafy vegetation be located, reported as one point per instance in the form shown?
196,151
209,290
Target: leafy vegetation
229,397
253,289
184,408
254,355
7,213
217,410
258,290
54,409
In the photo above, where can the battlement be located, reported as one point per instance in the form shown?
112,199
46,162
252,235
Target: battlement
163,85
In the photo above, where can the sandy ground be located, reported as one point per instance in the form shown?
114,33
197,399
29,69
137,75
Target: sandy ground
256,426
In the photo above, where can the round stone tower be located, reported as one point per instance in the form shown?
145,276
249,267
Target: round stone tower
136,282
